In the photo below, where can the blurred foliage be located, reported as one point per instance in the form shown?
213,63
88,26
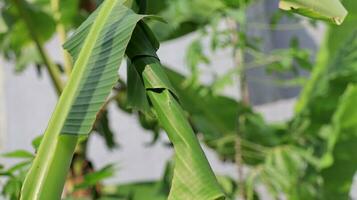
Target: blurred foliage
15,175
320,121
311,156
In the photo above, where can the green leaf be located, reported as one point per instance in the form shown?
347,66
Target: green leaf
137,191
337,38
18,32
194,57
98,47
150,190
69,11
19,166
325,104
12,189
100,62
102,127
18,154
185,16
94,178
329,10
36,142
329,80
282,172
137,99
26,56
17,43
229,186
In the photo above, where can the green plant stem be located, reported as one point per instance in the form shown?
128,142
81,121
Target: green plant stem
62,163
61,31
81,149
59,164
51,66
238,60
53,167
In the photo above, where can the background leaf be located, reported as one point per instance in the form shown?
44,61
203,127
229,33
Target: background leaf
330,10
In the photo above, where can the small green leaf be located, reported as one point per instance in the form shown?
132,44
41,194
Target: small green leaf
18,154
93,178
19,166
195,56
26,56
102,127
12,189
36,142
137,191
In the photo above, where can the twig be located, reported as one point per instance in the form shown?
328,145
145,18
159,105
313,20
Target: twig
51,66
238,60
61,31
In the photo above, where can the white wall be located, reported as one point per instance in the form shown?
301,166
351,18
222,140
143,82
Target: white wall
2,109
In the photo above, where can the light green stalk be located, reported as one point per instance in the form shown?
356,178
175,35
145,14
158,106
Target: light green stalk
42,180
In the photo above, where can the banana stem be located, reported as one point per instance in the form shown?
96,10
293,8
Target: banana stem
48,173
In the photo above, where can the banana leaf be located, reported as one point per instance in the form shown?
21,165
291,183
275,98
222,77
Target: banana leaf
98,47
193,177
